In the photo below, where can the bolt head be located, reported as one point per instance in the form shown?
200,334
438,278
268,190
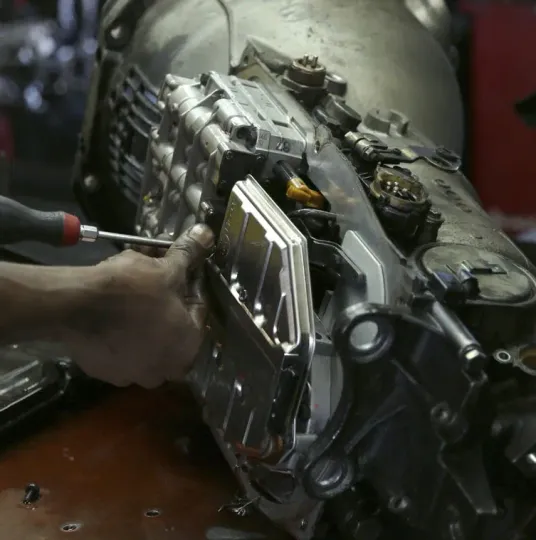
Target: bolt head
91,184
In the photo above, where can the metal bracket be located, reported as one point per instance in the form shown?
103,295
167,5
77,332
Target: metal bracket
372,149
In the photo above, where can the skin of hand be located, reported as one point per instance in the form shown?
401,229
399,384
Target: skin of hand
147,325
132,319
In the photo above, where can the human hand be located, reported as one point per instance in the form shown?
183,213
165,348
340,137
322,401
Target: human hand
146,315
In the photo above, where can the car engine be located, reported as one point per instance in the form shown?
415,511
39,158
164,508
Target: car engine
368,370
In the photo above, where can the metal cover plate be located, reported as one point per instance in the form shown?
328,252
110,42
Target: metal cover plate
263,287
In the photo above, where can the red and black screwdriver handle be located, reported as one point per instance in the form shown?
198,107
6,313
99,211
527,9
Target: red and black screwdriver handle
18,223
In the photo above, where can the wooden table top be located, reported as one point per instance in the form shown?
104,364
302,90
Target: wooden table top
101,469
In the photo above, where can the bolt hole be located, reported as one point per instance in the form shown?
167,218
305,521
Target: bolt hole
153,512
242,132
70,527
503,357
317,147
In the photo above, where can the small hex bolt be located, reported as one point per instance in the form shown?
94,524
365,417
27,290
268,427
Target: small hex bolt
32,493
91,184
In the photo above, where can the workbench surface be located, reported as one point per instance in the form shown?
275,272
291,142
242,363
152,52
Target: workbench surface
103,468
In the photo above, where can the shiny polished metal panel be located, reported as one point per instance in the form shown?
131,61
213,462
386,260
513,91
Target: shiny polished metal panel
261,280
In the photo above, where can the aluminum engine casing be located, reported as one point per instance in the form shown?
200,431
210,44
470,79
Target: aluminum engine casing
268,352
262,279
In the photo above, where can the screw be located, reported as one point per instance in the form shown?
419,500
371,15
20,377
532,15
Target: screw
207,211
441,413
91,184
398,504
228,155
243,295
303,524
238,389
32,493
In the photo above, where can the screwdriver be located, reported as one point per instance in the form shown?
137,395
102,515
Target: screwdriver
19,223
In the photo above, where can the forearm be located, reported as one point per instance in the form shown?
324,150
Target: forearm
42,303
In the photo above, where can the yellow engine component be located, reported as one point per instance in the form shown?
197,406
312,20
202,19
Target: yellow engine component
297,190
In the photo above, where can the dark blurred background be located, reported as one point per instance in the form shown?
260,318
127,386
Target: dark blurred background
45,63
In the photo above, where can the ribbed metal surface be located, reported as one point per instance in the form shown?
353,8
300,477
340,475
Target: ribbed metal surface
133,113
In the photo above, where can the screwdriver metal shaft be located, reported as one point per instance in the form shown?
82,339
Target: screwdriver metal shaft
18,223
88,233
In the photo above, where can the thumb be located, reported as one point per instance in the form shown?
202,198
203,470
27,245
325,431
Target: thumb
189,250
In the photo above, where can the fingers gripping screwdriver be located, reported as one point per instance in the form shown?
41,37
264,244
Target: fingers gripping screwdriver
18,223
